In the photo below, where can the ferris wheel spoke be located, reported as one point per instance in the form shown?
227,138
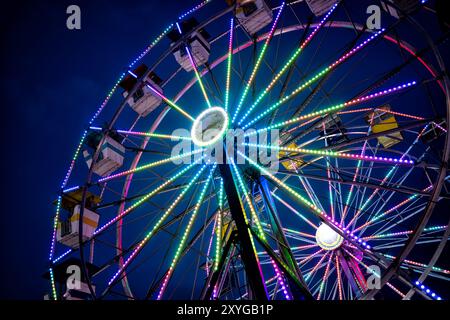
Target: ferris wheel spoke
393,235
121,215
312,79
394,208
372,184
389,176
257,64
368,201
301,216
150,165
286,66
338,154
171,104
304,247
198,76
414,264
147,134
229,65
295,233
310,257
186,234
401,217
158,224
334,108
325,276
310,274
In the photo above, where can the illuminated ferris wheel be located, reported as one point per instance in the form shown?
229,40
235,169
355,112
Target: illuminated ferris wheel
349,205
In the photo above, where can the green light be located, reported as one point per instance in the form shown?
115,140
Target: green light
187,231
249,201
257,64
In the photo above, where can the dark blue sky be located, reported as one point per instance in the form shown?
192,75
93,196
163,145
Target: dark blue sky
53,78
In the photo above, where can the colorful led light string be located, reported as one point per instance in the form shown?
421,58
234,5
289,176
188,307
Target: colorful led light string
170,102
325,277
246,192
146,197
140,168
62,256
334,108
418,264
313,79
219,226
150,165
146,134
52,280
197,75
280,280
289,63
426,290
157,225
339,278
314,269
95,116
186,233
309,257
401,294
401,233
258,63
230,57
328,153
287,205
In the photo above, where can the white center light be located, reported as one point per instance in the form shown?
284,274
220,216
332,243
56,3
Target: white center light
327,238
209,127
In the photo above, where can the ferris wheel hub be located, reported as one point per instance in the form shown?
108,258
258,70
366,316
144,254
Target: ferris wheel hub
327,238
210,126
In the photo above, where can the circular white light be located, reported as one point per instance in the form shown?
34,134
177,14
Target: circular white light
209,127
327,238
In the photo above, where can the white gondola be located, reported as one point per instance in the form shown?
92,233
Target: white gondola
199,48
67,230
81,293
320,7
144,100
110,158
253,15
403,5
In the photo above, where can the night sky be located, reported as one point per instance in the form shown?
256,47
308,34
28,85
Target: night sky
53,79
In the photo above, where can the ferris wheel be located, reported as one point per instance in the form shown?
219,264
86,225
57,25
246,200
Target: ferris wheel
331,187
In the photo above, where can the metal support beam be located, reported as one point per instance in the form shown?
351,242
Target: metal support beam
249,256
277,229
